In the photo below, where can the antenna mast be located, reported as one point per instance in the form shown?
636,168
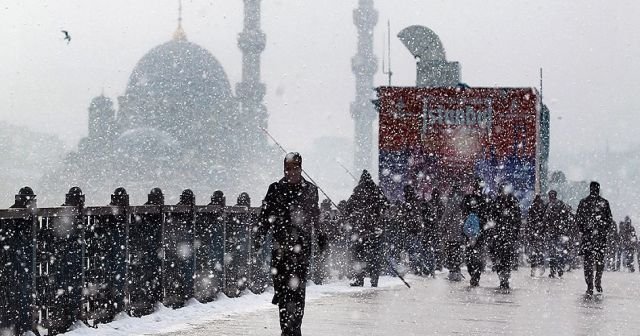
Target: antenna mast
388,71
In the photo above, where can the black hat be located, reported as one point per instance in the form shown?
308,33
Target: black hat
26,191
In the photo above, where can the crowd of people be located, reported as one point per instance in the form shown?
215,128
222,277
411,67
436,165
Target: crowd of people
368,235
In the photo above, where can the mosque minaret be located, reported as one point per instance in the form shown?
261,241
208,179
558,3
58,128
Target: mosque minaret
364,67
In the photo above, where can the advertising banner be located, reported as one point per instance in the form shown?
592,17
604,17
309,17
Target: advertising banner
437,137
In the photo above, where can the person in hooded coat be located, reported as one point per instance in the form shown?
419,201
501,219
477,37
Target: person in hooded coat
506,214
594,221
453,237
536,235
365,209
290,210
556,221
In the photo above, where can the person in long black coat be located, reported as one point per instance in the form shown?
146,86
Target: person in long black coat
365,209
290,209
453,236
628,242
476,202
556,219
536,235
507,217
594,221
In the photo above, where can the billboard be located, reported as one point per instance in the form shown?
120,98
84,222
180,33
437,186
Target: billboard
434,137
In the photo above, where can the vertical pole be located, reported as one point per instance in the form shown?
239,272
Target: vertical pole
538,139
389,48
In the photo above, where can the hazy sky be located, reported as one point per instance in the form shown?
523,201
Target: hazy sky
589,50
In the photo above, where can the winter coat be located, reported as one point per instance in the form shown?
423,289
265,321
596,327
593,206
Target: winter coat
556,221
365,208
433,210
291,211
452,219
594,221
535,223
628,237
411,214
507,218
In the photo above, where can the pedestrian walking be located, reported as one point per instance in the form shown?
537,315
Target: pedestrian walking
628,241
506,214
556,221
475,209
420,236
452,219
536,235
365,209
595,221
290,210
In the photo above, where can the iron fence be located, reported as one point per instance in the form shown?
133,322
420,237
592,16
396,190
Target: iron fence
75,263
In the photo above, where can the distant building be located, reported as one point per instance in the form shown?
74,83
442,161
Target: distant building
178,124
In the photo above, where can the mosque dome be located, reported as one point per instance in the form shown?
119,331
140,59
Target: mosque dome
144,153
147,142
177,87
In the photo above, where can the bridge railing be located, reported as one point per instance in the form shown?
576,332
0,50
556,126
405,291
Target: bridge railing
75,263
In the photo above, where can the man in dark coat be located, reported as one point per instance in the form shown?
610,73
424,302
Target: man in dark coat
594,221
290,210
365,209
507,217
628,241
536,235
556,221
476,203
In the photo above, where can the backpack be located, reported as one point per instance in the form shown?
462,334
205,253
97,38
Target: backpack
471,227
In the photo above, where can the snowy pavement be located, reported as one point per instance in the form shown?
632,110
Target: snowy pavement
540,306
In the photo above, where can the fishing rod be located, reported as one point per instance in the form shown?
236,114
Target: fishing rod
347,170
305,173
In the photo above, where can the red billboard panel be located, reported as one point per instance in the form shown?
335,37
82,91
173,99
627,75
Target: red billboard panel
433,137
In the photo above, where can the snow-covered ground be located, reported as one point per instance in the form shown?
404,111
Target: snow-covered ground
539,306
167,320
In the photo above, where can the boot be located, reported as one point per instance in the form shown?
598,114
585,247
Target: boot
599,285
374,281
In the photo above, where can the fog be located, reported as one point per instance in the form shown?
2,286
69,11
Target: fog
588,51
